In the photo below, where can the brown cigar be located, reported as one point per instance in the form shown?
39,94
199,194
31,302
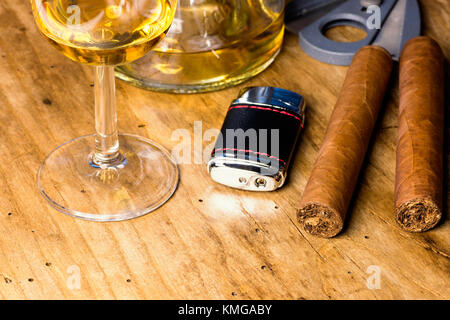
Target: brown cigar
420,144
330,187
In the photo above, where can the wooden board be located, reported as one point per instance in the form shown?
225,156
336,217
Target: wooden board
208,241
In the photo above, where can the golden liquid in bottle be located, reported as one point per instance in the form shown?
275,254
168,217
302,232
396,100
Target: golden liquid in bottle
218,44
103,32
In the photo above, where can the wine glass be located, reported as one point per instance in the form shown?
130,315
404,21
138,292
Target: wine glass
106,176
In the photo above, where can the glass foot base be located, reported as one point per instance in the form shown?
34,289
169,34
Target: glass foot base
143,182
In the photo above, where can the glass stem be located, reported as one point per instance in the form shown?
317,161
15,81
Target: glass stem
106,139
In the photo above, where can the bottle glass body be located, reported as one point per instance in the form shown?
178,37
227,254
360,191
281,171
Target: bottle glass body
211,45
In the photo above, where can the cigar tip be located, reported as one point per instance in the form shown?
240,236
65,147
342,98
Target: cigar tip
379,49
418,215
320,220
422,40
426,46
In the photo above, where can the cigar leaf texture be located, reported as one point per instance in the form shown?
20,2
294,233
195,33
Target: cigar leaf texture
329,190
420,141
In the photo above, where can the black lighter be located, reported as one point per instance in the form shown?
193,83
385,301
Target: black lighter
257,139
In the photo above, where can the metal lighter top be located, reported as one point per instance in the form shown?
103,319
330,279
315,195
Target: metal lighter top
272,96
257,139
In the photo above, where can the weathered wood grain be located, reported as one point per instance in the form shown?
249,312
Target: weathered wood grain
209,241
